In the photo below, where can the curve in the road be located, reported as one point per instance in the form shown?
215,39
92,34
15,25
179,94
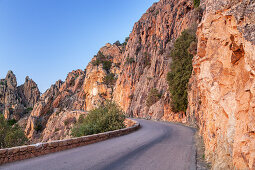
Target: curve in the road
156,146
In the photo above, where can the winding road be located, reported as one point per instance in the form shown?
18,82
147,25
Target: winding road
155,146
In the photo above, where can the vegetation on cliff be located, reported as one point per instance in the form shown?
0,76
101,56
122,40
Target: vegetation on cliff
106,117
153,96
196,3
101,59
109,79
181,69
10,135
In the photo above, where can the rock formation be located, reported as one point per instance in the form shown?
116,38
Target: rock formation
15,101
221,97
81,91
149,46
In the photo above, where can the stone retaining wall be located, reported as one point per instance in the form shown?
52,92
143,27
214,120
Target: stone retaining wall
30,151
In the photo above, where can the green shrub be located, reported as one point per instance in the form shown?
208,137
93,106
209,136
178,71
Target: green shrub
181,69
11,122
107,65
105,118
3,83
153,96
101,59
109,79
129,60
38,126
29,109
57,129
196,3
147,61
10,136
117,43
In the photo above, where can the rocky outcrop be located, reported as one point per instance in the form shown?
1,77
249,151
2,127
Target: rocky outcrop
81,91
146,60
59,125
221,95
15,101
29,93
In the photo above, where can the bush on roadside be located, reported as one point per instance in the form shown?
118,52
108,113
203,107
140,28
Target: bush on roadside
106,117
10,136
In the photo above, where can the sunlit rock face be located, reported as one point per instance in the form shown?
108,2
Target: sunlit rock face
221,97
149,46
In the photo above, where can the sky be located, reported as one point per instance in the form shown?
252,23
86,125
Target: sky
47,39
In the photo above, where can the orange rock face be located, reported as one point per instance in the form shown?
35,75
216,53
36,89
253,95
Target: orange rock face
149,46
221,98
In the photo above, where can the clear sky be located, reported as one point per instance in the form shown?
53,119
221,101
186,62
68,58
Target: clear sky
46,39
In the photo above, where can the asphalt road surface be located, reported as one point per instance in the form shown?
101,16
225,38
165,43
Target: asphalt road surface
155,146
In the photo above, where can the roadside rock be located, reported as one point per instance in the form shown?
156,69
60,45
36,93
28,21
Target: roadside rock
221,96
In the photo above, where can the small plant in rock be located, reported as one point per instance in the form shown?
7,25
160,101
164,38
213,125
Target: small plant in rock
196,3
109,79
117,43
38,126
107,65
28,110
11,122
131,96
147,61
129,60
66,122
153,96
57,129
101,59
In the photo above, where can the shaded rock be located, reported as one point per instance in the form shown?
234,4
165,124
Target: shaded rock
14,100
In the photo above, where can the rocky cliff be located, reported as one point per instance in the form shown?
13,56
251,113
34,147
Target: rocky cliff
16,101
221,96
148,49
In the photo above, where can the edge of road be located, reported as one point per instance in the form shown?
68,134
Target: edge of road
8,155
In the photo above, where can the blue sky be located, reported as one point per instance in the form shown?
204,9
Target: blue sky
46,39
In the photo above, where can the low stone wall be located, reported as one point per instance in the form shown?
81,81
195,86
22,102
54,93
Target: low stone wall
30,151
